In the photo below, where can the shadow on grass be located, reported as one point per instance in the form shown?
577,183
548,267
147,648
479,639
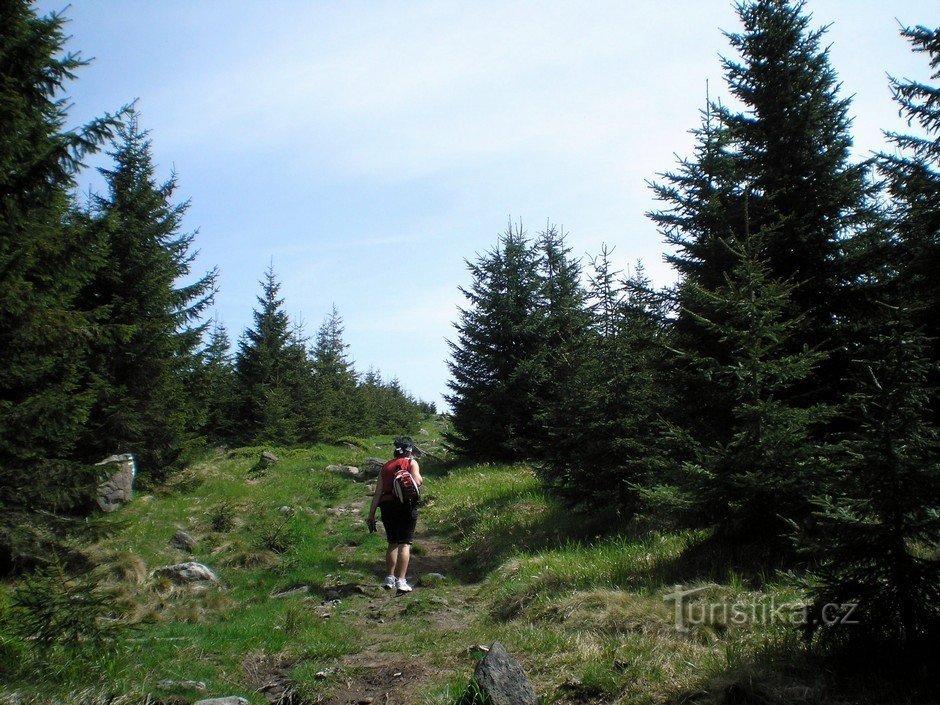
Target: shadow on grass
793,673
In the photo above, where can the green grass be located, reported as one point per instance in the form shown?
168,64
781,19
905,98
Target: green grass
184,633
584,609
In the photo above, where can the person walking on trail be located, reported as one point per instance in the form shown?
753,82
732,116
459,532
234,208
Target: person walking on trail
397,495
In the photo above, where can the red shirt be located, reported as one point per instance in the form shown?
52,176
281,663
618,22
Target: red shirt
387,475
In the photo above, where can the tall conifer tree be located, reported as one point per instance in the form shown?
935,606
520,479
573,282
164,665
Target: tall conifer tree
612,443
912,174
334,382
752,476
563,326
878,511
493,361
46,256
271,372
217,386
145,360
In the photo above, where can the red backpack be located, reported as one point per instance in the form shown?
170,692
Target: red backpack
404,487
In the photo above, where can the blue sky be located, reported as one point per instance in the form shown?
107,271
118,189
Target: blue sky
368,148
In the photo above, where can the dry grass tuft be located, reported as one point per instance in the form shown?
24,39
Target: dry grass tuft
611,612
252,559
123,568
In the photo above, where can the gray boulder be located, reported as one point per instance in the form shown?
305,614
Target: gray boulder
183,573
502,679
230,700
423,432
183,541
117,487
371,467
350,471
266,459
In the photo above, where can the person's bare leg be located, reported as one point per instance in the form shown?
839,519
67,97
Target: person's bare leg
404,555
391,558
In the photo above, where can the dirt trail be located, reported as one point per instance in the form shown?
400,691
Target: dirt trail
383,673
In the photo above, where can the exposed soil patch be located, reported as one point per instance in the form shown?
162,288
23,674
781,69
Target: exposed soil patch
379,674
269,676
377,679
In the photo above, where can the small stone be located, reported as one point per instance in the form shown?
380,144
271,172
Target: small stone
198,686
423,432
186,573
183,541
230,700
303,589
431,579
285,509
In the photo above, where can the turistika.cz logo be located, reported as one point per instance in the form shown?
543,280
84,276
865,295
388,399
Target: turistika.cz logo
690,612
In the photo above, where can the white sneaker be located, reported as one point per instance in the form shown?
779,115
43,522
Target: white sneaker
389,582
403,585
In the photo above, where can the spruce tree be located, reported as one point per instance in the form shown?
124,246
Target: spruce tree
563,326
782,164
792,147
912,175
145,359
749,478
272,373
612,445
216,386
334,382
493,364
368,404
46,256
876,580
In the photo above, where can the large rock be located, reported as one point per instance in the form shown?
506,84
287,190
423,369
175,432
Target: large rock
266,459
230,700
117,488
350,471
503,680
186,573
371,467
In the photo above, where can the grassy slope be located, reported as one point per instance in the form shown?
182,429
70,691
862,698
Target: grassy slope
584,613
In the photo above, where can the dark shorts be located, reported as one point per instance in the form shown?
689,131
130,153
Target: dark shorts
399,521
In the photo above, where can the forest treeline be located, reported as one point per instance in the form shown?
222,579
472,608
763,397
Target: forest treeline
105,340
781,396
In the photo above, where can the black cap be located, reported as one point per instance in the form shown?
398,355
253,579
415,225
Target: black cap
404,445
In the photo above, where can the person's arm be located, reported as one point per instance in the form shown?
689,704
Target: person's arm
416,472
376,496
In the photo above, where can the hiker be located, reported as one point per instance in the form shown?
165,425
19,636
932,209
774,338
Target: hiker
398,497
